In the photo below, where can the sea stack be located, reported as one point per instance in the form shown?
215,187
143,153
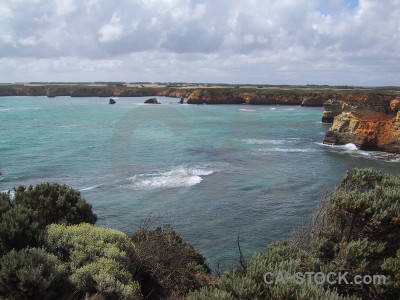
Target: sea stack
152,101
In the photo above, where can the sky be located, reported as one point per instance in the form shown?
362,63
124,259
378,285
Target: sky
335,42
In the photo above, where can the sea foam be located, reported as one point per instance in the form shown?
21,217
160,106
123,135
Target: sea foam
263,141
245,109
177,177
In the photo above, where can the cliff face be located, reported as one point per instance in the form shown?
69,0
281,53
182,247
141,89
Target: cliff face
367,129
204,96
371,122
352,103
256,98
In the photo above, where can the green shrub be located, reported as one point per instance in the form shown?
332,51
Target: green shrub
24,218
56,203
19,227
101,260
358,232
361,234
31,274
170,268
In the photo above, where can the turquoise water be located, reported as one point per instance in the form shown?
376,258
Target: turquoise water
210,171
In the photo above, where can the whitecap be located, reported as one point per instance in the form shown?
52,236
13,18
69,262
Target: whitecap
263,141
177,177
272,108
290,150
346,147
354,151
245,109
90,188
294,150
350,147
19,108
68,126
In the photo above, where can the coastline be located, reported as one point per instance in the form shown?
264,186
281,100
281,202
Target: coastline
344,108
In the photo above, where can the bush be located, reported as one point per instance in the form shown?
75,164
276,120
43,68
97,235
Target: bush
23,219
170,268
31,274
101,261
19,227
56,203
358,232
361,233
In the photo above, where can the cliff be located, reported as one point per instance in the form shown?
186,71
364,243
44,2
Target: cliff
257,97
367,129
377,102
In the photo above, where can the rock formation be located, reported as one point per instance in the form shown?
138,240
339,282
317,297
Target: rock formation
367,129
112,101
352,103
152,101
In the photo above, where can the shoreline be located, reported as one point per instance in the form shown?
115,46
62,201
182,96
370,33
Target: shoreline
369,119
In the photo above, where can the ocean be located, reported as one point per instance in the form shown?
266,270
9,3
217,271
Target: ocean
211,171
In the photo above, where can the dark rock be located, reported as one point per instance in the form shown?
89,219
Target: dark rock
152,101
112,101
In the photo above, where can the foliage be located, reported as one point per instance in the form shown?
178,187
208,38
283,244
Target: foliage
24,218
170,268
101,260
361,234
56,203
19,227
31,273
358,232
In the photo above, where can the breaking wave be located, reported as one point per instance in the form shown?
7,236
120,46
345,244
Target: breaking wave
177,177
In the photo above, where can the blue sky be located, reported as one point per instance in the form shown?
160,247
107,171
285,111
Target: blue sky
328,6
233,41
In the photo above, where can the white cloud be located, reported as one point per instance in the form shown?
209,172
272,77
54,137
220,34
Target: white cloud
237,40
28,41
64,7
111,31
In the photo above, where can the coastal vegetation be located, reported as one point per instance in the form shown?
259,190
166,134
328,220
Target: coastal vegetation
51,249
126,90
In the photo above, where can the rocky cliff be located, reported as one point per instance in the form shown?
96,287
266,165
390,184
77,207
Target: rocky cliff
352,103
263,97
367,129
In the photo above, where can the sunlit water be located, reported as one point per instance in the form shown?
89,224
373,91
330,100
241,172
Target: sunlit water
211,172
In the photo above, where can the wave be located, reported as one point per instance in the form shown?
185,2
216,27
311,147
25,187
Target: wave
68,126
276,142
290,150
354,151
91,188
19,108
262,141
177,177
245,109
294,150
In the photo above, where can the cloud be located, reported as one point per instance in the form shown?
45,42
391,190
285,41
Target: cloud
276,41
111,31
